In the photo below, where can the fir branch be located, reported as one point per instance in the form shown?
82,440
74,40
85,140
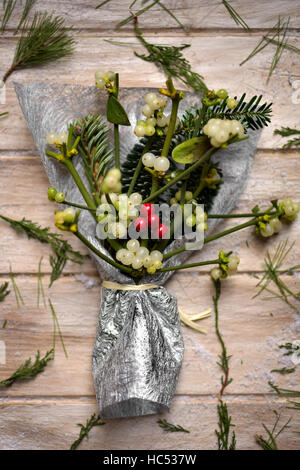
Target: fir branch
168,427
4,291
235,16
171,61
284,370
62,249
42,40
8,7
287,132
57,326
28,371
272,275
93,421
270,442
19,298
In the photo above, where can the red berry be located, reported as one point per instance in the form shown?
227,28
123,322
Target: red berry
153,220
161,231
147,209
141,224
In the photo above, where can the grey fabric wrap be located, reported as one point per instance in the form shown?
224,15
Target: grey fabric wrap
139,348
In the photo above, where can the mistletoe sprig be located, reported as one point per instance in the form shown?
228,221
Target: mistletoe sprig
182,174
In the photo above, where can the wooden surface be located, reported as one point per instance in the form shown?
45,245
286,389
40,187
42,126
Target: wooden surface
42,414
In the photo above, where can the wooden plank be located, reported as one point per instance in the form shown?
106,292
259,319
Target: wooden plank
217,58
46,424
272,177
243,321
194,14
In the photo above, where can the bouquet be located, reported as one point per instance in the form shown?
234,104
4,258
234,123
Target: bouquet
143,182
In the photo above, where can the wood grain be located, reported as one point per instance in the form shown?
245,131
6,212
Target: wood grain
194,14
44,424
42,414
259,325
215,57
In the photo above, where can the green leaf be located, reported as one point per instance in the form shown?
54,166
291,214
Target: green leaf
116,113
191,150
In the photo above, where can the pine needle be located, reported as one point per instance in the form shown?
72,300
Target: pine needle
28,371
4,291
287,132
41,291
62,249
281,43
168,427
136,14
19,298
272,275
4,324
270,442
8,7
26,10
42,40
172,62
173,16
93,421
102,4
235,16
56,326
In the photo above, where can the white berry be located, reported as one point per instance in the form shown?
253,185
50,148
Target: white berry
149,159
133,245
147,110
156,255
161,164
136,198
142,252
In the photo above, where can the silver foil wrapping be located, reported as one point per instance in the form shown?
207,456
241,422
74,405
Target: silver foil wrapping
138,348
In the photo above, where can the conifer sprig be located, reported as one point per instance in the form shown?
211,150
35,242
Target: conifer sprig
28,371
288,132
171,61
62,249
270,442
4,291
168,427
93,421
8,7
42,40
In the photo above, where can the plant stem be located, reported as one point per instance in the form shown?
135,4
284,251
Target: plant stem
116,127
119,266
69,164
68,203
202,183
214,237
185,173
154,186
172,125
191,265
139,166
236,216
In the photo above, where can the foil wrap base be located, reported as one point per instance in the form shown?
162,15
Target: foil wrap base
139,347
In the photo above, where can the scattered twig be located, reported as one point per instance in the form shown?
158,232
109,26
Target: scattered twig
28,371
168,427
270,443
4,291
235,16
56,326
93,421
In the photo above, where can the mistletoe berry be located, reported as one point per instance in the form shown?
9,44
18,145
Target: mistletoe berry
52,193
